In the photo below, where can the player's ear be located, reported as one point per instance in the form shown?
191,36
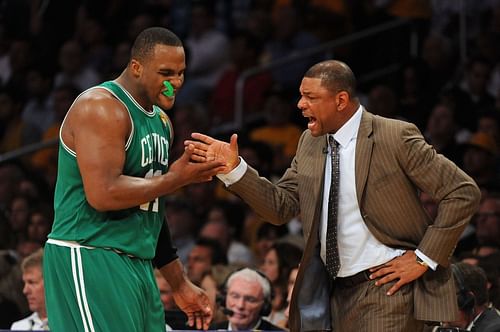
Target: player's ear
136,67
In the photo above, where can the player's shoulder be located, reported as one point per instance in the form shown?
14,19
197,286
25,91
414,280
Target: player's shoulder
98,101
96,94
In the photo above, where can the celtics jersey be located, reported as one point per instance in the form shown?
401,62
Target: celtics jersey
135,230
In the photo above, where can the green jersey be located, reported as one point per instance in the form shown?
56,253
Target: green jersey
133,231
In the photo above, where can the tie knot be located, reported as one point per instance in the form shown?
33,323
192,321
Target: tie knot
333,143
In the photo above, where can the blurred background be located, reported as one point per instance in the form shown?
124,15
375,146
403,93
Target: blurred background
431,62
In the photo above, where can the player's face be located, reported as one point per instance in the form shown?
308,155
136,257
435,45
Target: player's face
167,63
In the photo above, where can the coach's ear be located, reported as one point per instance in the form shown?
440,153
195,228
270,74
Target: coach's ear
342,100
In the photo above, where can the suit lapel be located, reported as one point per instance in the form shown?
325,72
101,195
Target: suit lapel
364,147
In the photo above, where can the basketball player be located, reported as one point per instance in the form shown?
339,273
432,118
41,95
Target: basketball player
113,172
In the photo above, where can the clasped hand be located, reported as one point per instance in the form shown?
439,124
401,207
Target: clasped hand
210,149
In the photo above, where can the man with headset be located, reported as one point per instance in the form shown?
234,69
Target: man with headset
247,296
476,313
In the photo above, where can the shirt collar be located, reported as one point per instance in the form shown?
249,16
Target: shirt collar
350,129
230,327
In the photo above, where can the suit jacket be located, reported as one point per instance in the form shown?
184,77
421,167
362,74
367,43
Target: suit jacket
393,162
489,321
263,326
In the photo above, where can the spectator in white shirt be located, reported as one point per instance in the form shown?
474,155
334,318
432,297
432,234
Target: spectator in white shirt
35,294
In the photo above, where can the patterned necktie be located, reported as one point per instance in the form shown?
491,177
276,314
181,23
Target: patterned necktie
332,253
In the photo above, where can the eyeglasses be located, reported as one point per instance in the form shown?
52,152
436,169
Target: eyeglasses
246,298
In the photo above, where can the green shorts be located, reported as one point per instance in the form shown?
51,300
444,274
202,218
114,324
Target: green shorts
95,289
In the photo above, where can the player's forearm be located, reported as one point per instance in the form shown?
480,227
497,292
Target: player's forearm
174,273
128,191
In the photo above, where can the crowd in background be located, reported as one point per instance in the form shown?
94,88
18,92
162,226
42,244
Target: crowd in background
50,51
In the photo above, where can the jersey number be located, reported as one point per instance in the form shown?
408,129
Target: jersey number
153,205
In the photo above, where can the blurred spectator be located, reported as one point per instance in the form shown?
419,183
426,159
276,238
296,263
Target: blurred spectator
413,91
45,160
21,57
165,292
201,197
12,301
441,130
487,222
40,223
279,131
259,155
266,235
488,122
247,296
38,111
4,54
245,54
224,222
473,301
439,58
278,263
73,68
207,54
187,119
213,284
382,101
205,253
94,38
182,224
472,92
480,159
14,132
19,214
258,21
11,175
166,298
288,38
291,283
119,60
32,268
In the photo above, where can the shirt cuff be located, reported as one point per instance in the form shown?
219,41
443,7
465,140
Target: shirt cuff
433,265
235,175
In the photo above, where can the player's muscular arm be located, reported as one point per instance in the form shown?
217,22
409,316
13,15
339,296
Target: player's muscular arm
99,127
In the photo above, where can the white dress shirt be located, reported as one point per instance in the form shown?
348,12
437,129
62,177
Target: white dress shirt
30,323
358,248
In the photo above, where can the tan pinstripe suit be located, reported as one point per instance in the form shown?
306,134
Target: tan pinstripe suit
392,163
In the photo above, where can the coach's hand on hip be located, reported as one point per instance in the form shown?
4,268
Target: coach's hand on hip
404,269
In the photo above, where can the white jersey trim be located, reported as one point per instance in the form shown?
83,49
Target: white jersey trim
69,244
150,114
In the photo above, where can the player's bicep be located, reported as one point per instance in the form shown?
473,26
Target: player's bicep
100,133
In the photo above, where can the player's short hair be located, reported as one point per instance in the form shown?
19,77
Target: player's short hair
146,41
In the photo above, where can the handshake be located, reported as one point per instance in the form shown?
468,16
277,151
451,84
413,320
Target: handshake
204,148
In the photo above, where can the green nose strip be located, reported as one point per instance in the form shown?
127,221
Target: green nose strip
169,92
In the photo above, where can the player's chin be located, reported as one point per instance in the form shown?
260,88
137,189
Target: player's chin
166,103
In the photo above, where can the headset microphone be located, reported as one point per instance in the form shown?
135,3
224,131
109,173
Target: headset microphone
227,311
221,302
